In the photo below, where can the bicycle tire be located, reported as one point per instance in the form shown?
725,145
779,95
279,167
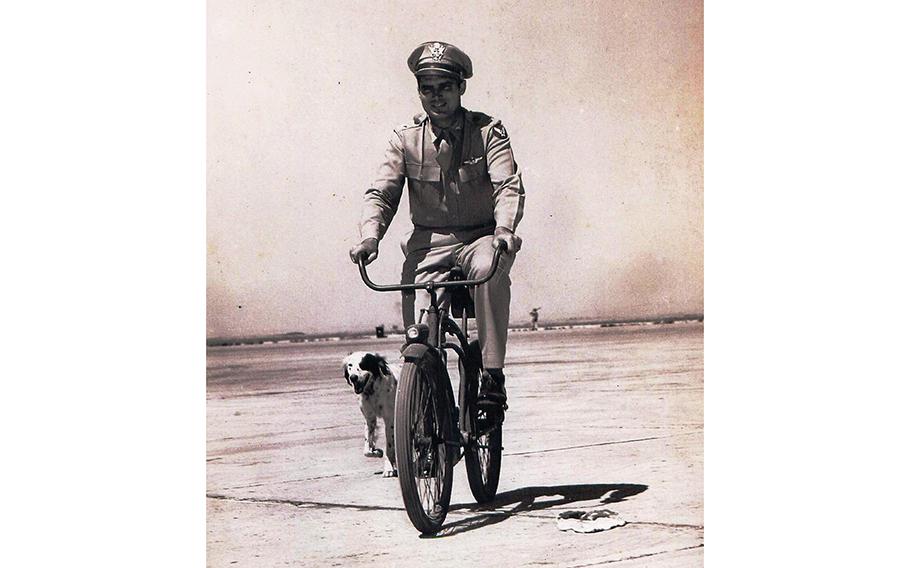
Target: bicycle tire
483,462
425,462
483,456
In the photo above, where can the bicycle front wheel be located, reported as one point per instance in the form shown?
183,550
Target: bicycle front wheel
423,423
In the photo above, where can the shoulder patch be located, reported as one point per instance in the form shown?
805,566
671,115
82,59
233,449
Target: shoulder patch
499,131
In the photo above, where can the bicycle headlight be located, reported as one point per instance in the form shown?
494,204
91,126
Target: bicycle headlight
417,333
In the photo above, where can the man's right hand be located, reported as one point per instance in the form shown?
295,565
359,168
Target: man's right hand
368,249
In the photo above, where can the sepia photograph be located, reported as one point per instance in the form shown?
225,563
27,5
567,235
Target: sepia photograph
453,262
454,283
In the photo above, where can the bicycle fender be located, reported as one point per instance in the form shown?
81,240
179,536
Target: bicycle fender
414,351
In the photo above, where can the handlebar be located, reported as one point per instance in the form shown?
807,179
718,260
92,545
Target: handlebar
429,285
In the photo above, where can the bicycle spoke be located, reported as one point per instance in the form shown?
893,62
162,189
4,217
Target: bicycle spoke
483,457
428,460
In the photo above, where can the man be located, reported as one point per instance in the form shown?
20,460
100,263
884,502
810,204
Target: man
535,313
466,198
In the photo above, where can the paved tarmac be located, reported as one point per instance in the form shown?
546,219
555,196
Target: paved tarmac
600,418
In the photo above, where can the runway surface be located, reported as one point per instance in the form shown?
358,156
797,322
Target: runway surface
599,418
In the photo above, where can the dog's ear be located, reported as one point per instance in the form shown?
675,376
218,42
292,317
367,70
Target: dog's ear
384,366
376,364
370,362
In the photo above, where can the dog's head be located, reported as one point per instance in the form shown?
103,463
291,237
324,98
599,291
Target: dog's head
360,369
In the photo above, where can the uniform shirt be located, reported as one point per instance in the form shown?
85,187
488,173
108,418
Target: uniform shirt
481,188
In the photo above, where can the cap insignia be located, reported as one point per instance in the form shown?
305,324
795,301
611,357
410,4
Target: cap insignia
437,50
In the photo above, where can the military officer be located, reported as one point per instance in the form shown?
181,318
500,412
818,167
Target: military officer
465,194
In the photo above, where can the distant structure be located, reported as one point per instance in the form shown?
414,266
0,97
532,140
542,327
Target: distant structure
535,314
380,331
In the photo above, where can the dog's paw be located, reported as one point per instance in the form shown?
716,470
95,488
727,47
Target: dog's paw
373,453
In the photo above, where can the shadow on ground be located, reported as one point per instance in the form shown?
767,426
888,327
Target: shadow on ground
530,499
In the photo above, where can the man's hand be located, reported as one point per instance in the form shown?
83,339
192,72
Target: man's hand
511,240
369,249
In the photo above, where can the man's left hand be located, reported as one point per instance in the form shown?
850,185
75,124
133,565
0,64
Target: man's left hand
511,240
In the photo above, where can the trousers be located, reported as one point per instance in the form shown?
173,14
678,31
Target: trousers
431,253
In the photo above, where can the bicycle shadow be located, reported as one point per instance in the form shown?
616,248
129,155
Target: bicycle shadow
530,499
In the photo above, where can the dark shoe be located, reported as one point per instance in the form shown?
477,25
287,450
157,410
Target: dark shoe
493,390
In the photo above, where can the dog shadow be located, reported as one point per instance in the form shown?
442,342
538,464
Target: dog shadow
531,499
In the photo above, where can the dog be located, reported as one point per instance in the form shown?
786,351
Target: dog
376,381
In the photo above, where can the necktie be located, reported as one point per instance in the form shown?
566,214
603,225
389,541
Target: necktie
444,152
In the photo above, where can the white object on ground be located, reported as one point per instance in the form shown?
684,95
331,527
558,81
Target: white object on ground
589,521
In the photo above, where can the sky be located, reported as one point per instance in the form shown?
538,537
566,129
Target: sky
603,102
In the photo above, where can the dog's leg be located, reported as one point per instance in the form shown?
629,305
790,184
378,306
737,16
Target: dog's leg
390,469
369,435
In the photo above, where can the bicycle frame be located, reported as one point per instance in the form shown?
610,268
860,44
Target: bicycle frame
435,323
431,334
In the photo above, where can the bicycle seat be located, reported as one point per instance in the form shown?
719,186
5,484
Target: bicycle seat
461,300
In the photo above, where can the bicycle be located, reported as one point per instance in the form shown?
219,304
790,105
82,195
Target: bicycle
432,433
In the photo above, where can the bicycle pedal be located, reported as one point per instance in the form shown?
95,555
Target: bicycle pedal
426,464
490,419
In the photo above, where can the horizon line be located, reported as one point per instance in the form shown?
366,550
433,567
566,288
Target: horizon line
303,337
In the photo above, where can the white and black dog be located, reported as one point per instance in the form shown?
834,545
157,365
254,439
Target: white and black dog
375,381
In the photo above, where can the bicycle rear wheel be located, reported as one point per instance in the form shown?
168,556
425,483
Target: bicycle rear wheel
483,460
423,423
483,454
